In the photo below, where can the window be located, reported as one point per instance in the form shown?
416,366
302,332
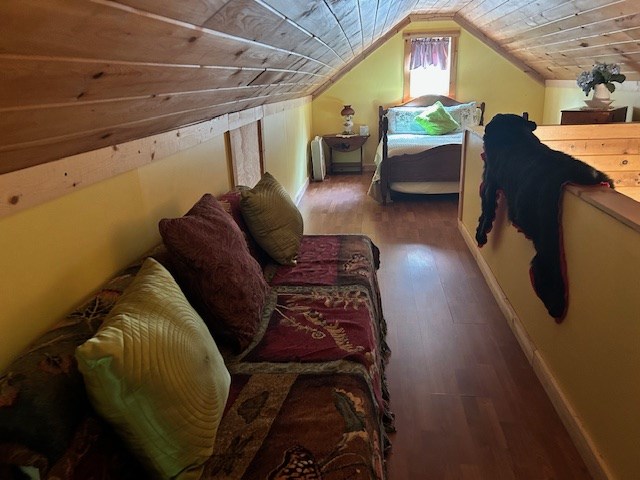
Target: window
430,63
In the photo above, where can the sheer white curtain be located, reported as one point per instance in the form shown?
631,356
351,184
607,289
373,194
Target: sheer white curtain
433,51
429,66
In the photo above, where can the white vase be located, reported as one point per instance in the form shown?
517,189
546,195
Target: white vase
601,99
601,92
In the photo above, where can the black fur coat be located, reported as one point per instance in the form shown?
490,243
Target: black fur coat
531,176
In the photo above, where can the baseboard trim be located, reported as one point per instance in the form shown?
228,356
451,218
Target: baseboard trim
301,192
582,440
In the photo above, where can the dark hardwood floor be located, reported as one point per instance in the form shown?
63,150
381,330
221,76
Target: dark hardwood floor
468,404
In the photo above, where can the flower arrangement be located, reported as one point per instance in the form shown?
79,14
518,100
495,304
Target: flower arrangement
604,73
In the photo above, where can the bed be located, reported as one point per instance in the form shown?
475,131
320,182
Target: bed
410,161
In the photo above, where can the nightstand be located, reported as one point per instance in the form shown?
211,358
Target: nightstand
577,116
344,143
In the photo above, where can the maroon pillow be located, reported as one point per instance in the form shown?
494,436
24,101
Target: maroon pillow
231,203
212,264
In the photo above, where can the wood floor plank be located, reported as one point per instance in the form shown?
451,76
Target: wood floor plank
467,402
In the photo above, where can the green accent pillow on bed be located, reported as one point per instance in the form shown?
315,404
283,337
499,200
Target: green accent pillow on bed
436,120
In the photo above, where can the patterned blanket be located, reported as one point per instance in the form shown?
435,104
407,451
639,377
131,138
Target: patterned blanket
308,397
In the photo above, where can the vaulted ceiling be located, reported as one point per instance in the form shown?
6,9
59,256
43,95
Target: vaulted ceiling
76,75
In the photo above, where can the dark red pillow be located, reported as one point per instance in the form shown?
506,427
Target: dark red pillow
212,264
231,203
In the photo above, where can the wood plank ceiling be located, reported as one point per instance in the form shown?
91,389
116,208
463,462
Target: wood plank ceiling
76,75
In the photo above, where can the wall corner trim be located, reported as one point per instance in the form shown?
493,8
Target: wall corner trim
582,440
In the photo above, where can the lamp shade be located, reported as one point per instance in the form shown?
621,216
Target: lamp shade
347,110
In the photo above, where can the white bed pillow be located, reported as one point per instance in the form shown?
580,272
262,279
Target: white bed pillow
466,114
402,120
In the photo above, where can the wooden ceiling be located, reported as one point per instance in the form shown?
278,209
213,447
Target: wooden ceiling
76,75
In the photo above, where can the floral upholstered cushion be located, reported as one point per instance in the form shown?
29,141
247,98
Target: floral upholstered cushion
153,371
212,264
42,397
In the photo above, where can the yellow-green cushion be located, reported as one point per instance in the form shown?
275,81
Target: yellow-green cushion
273,219
436,120
154,372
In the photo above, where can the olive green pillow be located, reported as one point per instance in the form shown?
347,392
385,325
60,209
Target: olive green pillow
273,219
436,120
153,371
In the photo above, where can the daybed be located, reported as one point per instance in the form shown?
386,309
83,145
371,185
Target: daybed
307,395
409,160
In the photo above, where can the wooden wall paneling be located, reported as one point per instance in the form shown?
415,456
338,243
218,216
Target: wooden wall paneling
566,14
245,117
317,19
273,108
608,146
267,77
304,65
246,155
367,9
614,163
574,132
591,23
475,11
287,76
71,81
321,52
625,179
33,153
251,20
195,12
397,11
381,18
348,17
484,17
29,187
518,15
360,57
33,124
587,23
585,46
100,31
628,62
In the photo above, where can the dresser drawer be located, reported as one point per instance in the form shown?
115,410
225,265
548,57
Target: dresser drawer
577,116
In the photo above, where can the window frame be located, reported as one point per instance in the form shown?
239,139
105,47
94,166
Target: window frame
453,71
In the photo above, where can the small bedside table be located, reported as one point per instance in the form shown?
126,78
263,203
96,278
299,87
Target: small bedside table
577,116
344,143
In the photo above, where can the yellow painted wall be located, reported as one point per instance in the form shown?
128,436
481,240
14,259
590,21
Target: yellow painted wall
55,255
483,75
286,140
594,354
563,95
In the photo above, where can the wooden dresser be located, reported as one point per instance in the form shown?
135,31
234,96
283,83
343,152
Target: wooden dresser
578,116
